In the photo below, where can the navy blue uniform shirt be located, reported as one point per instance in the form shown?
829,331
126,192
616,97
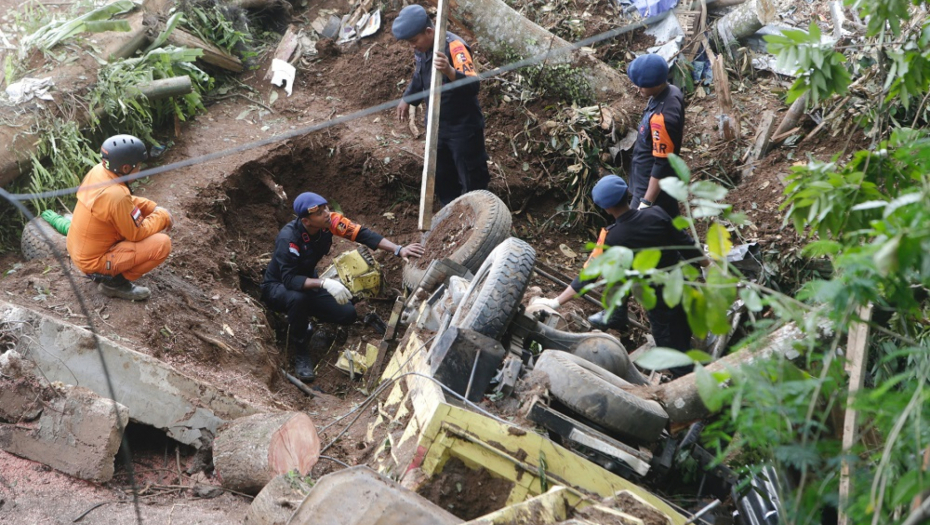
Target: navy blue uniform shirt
296,253
459,111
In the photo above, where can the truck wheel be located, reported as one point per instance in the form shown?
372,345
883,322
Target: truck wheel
33,244
495,293
599,396
465,231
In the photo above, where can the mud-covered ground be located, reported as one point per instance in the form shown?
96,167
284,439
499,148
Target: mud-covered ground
227,215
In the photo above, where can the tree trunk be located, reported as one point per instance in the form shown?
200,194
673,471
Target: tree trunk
680,397
502,29
250,451
742,22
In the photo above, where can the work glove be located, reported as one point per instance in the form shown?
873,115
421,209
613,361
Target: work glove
337,290
545,301
642,206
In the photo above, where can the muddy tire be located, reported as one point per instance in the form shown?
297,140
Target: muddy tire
492,222
495,293
33,244
599,396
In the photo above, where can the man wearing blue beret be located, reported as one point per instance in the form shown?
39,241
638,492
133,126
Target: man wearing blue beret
660,133
292,285
639,229
461,159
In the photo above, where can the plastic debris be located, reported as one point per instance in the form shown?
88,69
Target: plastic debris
283,75
29,88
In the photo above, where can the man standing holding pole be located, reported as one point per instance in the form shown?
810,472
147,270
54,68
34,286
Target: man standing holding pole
460,156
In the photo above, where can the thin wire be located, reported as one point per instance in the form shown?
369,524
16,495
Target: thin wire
541,57
103,364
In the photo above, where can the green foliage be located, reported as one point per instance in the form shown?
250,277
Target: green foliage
821,70
71,157
223,25
57,31
117,93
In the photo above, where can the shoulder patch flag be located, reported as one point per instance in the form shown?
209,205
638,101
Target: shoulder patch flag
136,215
293,248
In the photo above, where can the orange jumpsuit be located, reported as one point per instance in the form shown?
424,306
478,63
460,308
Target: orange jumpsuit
115,232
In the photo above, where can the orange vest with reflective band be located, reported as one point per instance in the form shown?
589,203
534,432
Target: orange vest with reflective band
599,249
340,226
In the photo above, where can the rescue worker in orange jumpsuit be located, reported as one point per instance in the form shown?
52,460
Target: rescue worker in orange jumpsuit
660,133
115,236
292,285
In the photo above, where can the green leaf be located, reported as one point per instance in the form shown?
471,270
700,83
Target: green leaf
646,260
646,296
718,241
680,167
751,299
671,294
695,305
661,358
706,189
675,188
821,248
708,389
699,356
681,222
886,258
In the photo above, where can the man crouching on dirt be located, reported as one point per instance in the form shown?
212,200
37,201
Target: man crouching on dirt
639,229
291,285
116,237
461,158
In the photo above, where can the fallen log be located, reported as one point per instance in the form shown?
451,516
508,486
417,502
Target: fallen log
211,54
680,397
286,48
250,451
275,504
741,22
502,29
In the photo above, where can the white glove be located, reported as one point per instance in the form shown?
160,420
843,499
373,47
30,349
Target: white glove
642,205
545,301
337,290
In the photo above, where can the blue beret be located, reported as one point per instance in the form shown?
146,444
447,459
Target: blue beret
411,21
608,191
305,201
648,71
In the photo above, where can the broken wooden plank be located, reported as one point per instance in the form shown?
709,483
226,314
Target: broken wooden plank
727,118
855,367
78,434
286,48
790,121
760,145
250,451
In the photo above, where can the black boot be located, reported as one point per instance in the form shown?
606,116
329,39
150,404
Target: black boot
618,320
303,367
122,288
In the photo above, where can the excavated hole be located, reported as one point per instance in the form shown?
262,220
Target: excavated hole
156,458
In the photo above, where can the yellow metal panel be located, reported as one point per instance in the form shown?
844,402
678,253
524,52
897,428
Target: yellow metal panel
511,453
551,507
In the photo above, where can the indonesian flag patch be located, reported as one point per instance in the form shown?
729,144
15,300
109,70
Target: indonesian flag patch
294,249
136,215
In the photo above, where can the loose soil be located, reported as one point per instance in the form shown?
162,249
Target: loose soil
467,493
226,219
447,236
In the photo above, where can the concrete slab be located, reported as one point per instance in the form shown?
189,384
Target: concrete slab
188,410
78,433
